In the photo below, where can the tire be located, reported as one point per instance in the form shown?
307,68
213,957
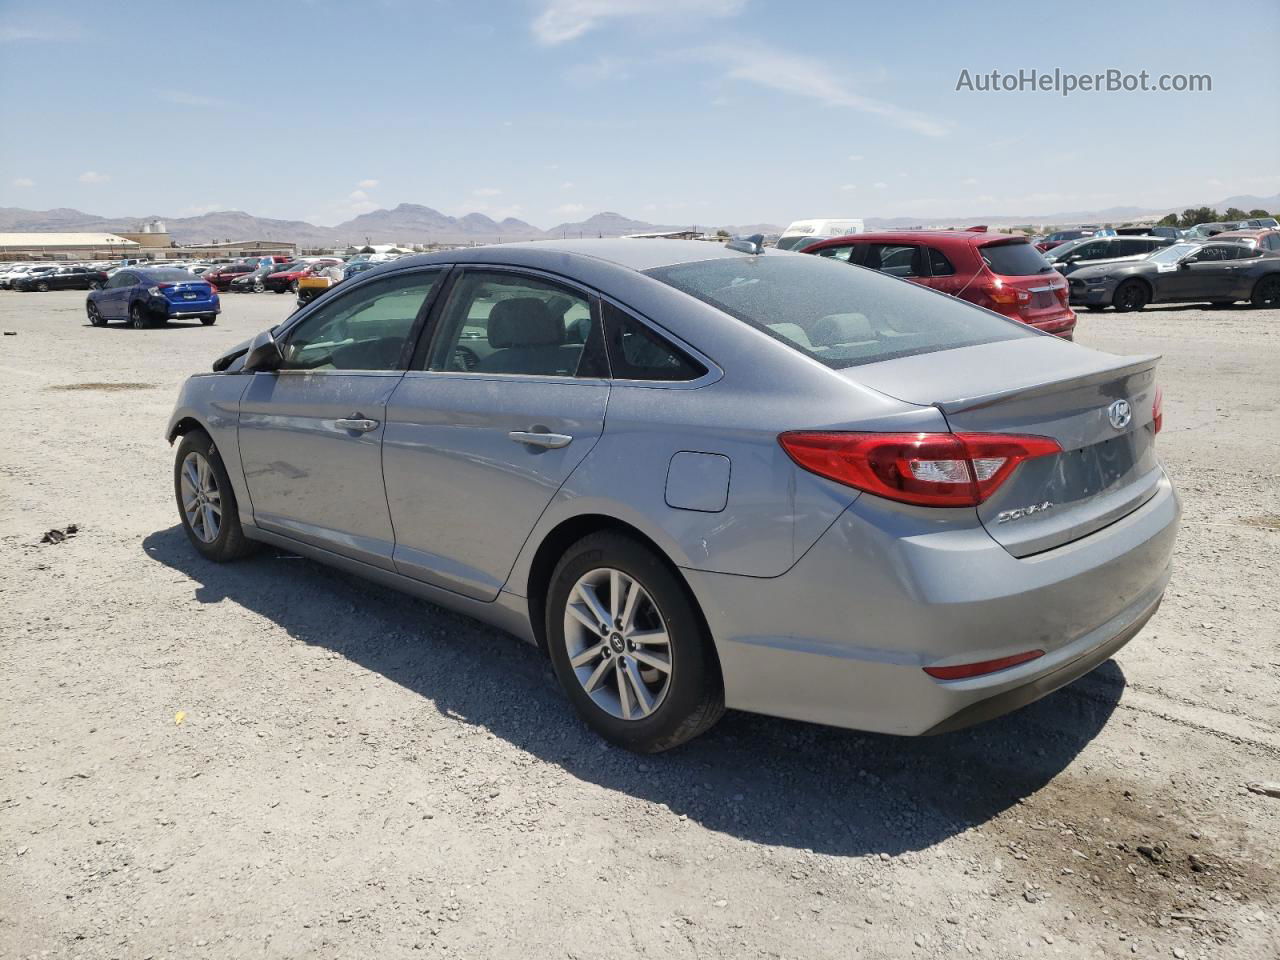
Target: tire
138,317
1130,295
198,469
1266,293
95,315
1095,308
685,700
208,321
293,287
282,290
42,287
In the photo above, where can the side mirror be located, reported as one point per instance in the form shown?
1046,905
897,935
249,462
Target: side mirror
1185,264
264,353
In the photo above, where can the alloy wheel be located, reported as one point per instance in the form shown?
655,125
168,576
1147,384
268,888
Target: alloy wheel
618,644
1269,293
201,498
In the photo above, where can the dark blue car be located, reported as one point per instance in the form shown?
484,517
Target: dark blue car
148,296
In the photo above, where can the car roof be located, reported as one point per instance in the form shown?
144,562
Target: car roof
974,237
638,254
1247,234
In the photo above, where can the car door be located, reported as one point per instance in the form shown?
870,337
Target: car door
1203,275
114,300
506,403
942,273
311,432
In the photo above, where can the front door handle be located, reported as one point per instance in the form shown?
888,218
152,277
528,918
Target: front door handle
359,425
551,441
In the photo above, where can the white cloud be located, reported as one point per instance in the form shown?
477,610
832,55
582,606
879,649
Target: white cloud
568,208
848,186
357,196
879,184
856,157
367,184
23,182
486,192
802,76
92,176
567,185
970,181
563,20
1214,182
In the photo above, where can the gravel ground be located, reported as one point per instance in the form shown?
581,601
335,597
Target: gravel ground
270,759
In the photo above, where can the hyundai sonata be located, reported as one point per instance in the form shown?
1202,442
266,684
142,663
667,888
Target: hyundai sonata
702,476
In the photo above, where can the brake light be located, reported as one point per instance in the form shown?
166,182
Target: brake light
962,671
997,292
926,469
1063,294
1157,411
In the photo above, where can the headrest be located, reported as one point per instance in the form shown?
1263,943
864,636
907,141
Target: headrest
793,332
524,322
841,328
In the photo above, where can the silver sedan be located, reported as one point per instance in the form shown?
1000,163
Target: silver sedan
702,476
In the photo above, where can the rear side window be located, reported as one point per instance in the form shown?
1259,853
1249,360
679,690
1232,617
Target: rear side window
836,253
1014,259
939,265
896,259
638,353
838,316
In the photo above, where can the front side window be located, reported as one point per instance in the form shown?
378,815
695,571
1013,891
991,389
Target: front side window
498,322
639,353
365,330
837,316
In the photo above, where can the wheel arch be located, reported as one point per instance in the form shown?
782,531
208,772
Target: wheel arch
1137,278
564,535
184,425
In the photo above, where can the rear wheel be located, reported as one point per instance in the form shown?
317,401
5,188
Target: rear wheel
208,321
1267,293
1130,295
139,319
95,316
206,502
629,646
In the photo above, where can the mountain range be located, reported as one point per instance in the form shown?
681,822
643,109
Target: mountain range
415,223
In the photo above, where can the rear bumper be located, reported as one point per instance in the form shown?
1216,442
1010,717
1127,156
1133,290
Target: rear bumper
1063,325
175,309
843,637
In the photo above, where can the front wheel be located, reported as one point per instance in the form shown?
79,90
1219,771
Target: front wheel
206,502
1266,294
629,646
1130,295
95,315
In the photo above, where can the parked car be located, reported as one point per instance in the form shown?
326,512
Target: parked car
1003,273
1203,231
22,270
1262,223
319,278
1074,254
894,457
220,278
1061,237
1172,233
286,280
804,233
254,279
147,296
60,278
1260,238
1213,272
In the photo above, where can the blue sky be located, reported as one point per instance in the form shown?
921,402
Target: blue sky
672,111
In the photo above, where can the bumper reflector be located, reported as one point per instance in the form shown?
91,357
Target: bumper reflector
962,671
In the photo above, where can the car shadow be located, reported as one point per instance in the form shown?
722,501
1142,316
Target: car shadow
125,325
757,778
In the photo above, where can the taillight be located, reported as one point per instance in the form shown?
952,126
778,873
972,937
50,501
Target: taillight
1064,294
1006,296
926,469
1157,411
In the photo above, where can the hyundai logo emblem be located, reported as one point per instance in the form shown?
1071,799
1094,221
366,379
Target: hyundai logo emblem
1119,413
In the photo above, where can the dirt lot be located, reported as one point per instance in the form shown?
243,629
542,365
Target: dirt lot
272,760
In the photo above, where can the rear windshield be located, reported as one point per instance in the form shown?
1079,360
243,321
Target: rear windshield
161,274
791,242
838,314
1014,259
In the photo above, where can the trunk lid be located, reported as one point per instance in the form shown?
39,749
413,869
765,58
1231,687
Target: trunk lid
1047,388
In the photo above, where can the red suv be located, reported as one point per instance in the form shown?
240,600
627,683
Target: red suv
1002,273
221,277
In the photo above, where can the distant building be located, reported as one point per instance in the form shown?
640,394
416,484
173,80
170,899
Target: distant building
67,246
237,248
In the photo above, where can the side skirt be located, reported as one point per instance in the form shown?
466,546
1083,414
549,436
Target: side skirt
507,612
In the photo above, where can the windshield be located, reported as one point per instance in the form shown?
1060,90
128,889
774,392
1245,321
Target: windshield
1053,253
1174,253
1014,259
837,314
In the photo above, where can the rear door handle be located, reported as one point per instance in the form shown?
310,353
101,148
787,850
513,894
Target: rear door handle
359,425
551,441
